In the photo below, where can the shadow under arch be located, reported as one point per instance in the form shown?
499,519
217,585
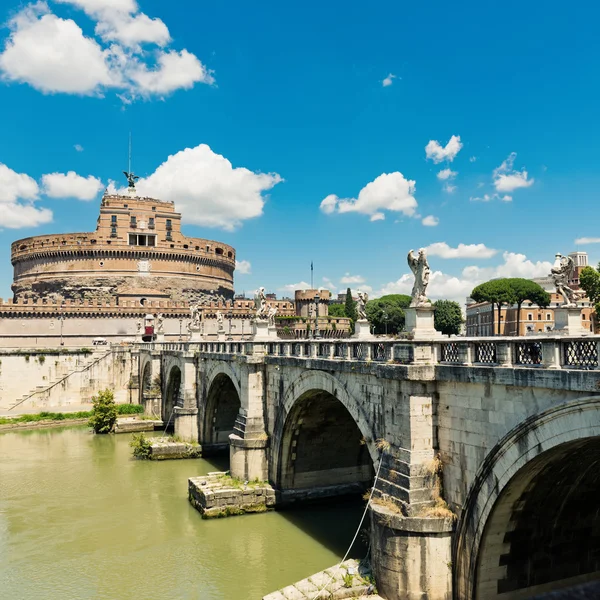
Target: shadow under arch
222,408
521,491
171,396
322,442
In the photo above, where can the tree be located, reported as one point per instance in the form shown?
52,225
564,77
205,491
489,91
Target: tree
589,280
104,413
337,310
448,317
386,314
525,289
350,309
497,292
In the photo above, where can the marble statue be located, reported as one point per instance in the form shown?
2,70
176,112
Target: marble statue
361,303
420,268
262,310
271,316
220,319
196,315
561,272
160,323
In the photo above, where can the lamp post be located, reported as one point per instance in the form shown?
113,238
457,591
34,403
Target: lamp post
230,315
180,326
317,298
61,318
385,318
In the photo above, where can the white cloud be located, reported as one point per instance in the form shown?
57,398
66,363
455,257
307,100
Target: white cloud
449,188
587,240
330,285
17,194
437,153
292,287
472,158
388,80
443,285
430,221
53,55
243,267
506,179
490,197
78,147
207,189
443,250
446,174
348,279
71,185
389,191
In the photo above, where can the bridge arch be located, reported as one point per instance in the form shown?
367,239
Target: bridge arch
526,526
322,439
171,393
222,406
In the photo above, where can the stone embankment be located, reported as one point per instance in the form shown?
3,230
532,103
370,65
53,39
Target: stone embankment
169,449
135,425
219,495
347,580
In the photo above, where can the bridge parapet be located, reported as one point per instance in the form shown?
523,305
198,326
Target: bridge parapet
560,352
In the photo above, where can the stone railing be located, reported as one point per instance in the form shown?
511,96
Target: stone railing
549,353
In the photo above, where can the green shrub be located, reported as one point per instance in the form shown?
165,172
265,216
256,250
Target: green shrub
104,414
130,409
142,448
41,359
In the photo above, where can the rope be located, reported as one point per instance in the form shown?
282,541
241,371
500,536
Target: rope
357,530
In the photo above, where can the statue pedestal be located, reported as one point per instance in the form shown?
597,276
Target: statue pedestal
195,335
362,330
160,338
263,332
221,335
567,321
419,322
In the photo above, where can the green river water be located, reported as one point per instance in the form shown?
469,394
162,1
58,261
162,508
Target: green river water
79,518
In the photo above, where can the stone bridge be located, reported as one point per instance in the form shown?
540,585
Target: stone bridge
485,452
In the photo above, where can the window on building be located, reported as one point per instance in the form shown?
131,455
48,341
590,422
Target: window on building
113,219
133,222
548,317
151,223
169,224
113,232
138,239
539,316
529,317
169,237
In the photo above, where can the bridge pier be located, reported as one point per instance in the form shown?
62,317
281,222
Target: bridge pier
185,418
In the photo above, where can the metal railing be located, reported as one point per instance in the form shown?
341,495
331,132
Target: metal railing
552,353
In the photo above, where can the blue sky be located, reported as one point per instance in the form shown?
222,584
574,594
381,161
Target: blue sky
283,105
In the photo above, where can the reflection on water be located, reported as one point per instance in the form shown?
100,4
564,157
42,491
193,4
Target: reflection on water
80,519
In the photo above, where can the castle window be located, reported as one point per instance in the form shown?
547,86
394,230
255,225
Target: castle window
169,224
113,232
151,223
169,237
136,239
133,222
219,251
113,219
186,246
154,208
548,317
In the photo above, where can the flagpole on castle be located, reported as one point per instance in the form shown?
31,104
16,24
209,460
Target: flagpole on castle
312,287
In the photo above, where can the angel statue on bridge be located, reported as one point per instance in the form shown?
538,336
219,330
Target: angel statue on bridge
260,302
561,272
361,303
420,268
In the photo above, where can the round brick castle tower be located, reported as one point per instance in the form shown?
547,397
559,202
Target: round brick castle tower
137,250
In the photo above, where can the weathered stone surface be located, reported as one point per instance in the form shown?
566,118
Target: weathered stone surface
133,425
165,449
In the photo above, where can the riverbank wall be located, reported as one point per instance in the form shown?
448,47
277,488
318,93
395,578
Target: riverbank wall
53,379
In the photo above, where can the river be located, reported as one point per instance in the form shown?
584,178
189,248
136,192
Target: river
79,518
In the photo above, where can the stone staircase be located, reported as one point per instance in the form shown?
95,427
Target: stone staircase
64,372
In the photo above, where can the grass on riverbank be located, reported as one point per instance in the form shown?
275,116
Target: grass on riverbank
122,409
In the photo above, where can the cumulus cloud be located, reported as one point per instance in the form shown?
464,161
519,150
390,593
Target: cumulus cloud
18,192
53,55
78,147
348,279
446,174
389,191
443,250
243,267
292,287
587,240
430,221
388,80
507,179
438,153
443,285
490,197
71,185
207,189
449,188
